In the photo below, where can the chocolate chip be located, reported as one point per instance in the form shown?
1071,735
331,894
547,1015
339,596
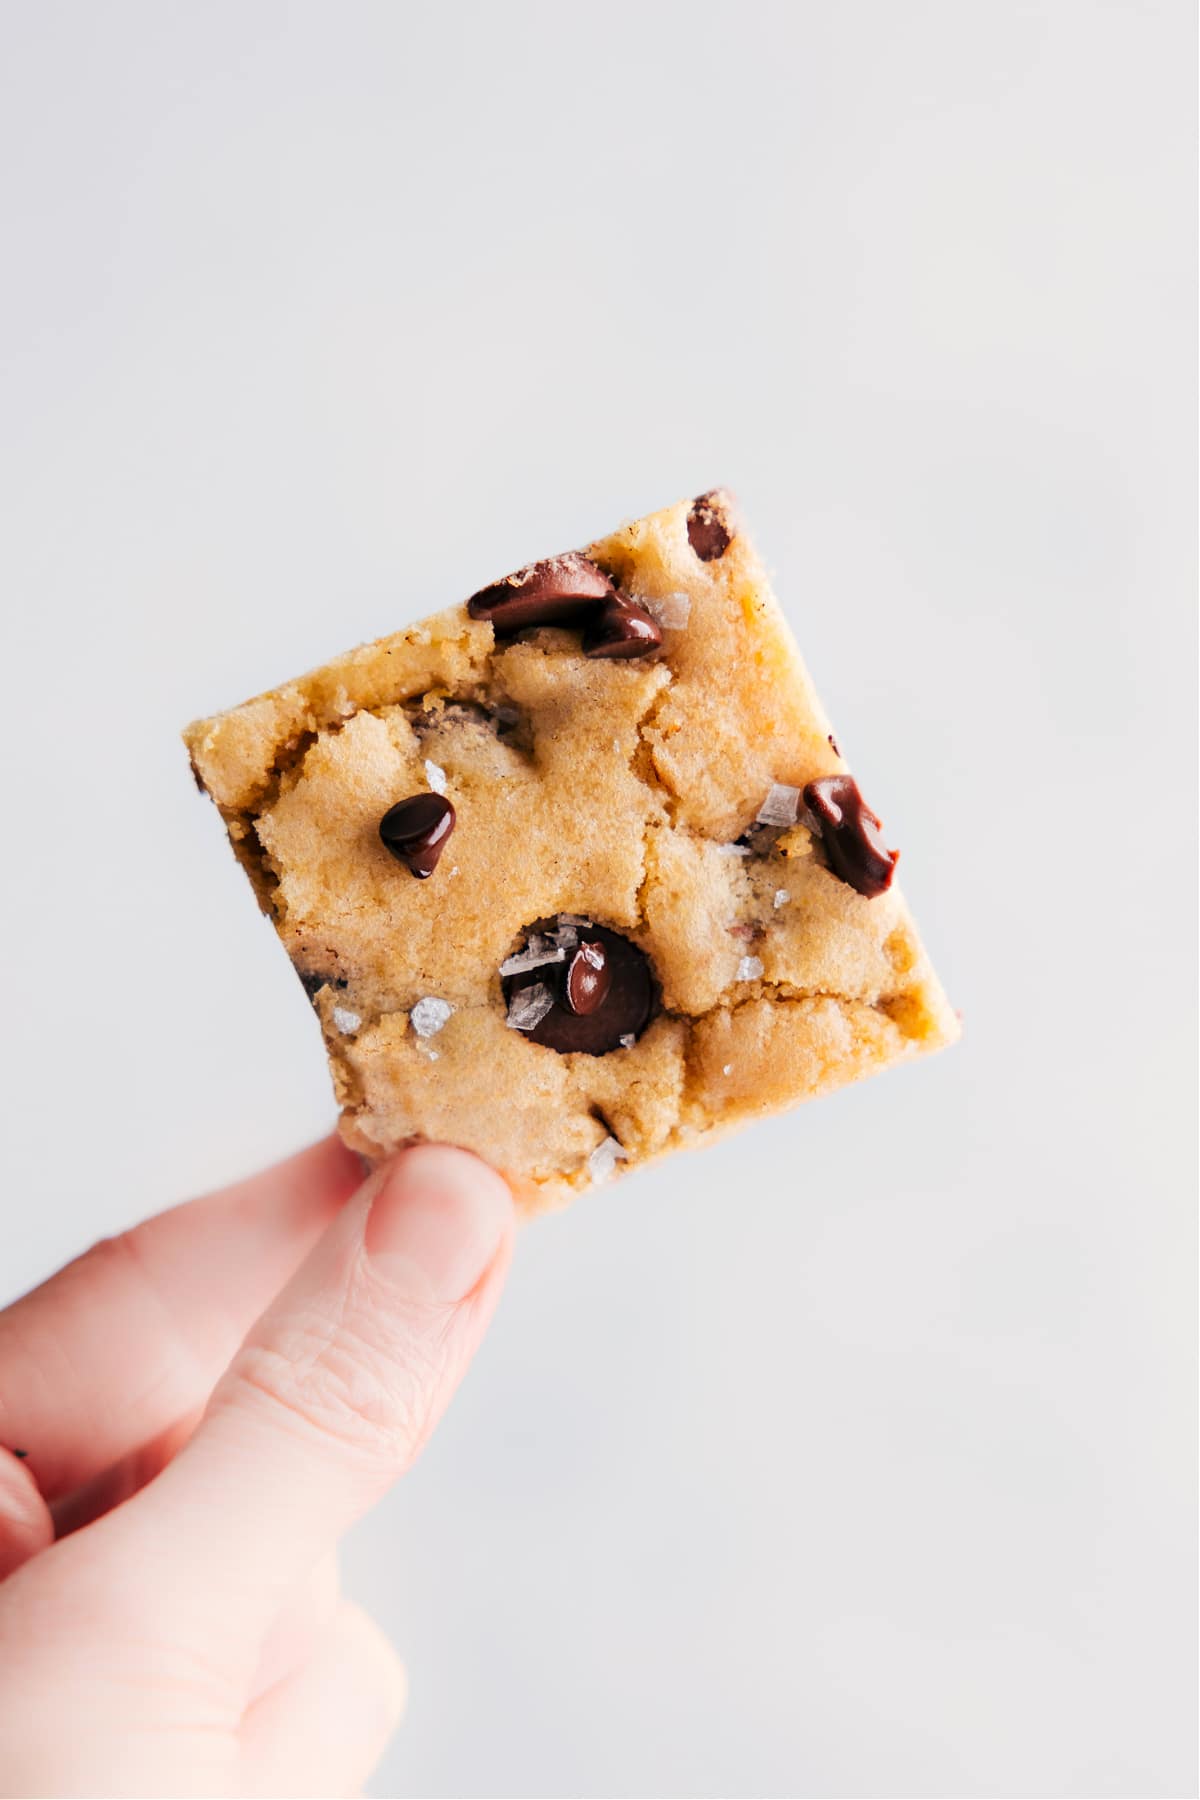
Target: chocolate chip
588,978
621,629
850,832
417,830
622,1012
709,532
544,593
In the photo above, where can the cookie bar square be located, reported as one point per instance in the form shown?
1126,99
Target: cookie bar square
574,874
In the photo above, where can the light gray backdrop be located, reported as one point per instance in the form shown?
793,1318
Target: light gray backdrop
857,1456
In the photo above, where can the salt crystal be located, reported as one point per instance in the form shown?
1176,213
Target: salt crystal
435,776
781,897
671,611
574,919
733,849
345,1020
749,969
628,1041
566,936
529,1006
534,956
781,805
604,1159
727,1069
428,1016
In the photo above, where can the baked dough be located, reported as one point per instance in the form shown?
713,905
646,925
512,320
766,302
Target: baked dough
620,789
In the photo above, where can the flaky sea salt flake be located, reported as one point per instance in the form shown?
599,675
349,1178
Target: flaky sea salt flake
604,1159
781,898
750,968
781,806
534,956
672,611
435,776
344,1020
733,849
628,1040
429,1015
529,1006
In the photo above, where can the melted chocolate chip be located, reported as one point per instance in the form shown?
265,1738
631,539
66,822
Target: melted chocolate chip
708,529
850,832
545,593
588,978
623,1011
621,629
417,830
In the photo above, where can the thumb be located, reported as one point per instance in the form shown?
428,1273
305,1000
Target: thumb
331,1396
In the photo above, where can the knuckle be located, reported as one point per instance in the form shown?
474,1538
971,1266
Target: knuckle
117,1259
121,1264
343,1384
124,1253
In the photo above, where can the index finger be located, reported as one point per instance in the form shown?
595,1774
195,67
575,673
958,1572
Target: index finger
330,1398
120,1344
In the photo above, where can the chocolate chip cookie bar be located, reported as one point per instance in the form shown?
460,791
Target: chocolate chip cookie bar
574,874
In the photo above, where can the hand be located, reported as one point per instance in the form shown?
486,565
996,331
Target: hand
170,1621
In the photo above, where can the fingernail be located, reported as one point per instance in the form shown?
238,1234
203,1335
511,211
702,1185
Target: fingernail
436,1223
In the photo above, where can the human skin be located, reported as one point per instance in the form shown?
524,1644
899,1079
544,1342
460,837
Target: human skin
206,1404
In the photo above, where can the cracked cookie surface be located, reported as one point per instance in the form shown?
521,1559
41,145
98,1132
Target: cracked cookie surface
620,793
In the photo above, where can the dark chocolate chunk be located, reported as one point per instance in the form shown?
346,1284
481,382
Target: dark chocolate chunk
850,833
559,589
709,531
588,978
623,1011
417,830
621,629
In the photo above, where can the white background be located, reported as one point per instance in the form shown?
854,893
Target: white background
856,1456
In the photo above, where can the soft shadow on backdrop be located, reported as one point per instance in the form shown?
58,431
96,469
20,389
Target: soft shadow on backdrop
857,1456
